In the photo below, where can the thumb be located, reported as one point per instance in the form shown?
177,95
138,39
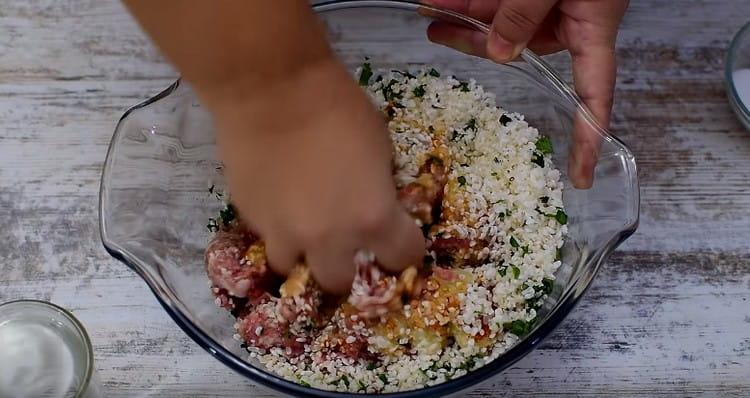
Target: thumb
514,25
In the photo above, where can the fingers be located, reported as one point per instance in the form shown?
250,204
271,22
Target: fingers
400,244
282,256
514,25
463,39
482,10
594,73
332,266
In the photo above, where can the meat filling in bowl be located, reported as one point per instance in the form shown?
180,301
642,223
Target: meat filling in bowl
481,183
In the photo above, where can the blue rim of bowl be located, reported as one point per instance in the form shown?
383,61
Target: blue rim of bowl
739,107
524,346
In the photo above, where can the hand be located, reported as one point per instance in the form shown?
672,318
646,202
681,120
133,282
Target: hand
586,28
308,162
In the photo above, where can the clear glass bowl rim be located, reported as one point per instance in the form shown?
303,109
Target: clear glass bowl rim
527,344
740,108
80,329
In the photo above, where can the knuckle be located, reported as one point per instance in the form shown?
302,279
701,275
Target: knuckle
373,219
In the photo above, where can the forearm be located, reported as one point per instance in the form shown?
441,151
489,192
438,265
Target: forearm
234,49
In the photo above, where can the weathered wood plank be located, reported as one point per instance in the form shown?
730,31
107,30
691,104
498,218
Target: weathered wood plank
668,315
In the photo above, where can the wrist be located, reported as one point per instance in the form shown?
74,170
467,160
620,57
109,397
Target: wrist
291,103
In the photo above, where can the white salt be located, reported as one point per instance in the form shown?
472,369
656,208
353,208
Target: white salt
741,79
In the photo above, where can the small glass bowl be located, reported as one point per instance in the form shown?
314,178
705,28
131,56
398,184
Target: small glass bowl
738,58
56,326
154,199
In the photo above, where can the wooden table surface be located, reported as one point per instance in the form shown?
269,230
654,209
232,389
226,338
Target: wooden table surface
669,314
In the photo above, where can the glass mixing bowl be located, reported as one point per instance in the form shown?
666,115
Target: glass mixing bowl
155,203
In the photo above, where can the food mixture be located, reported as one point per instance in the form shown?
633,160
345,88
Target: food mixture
481,184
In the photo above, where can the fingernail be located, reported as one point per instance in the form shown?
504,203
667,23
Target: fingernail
500,49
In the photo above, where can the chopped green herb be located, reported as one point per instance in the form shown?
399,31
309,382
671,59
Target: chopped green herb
525,250
461,180
516,271
433,72
361,385
304,383
558,254
505,119
389,94
456,135
431,129
518,327
502,271
345,380
471,125
437,107
544,199
514,242
227,214
497,160
547,285
419,91
463,86
372,365
212,225
365,74
561,217
494,174
544,145
383,378
537,159
469,363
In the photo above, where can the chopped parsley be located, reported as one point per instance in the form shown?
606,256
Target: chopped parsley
463,86
304,383
227,214
471,125
525,250
213,225
372,365
419,91
361,385
497,160
345,380
365,74
547,285
561,217
433,72
505,119
544,145
494,174
461,180
389,94
516,271
544,199
518,327
514,242
469,363
456,135
537,159
383,378
502,271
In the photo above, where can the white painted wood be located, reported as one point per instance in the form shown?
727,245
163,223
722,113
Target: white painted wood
669,314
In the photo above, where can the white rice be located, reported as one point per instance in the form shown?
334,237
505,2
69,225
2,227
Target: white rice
502,200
